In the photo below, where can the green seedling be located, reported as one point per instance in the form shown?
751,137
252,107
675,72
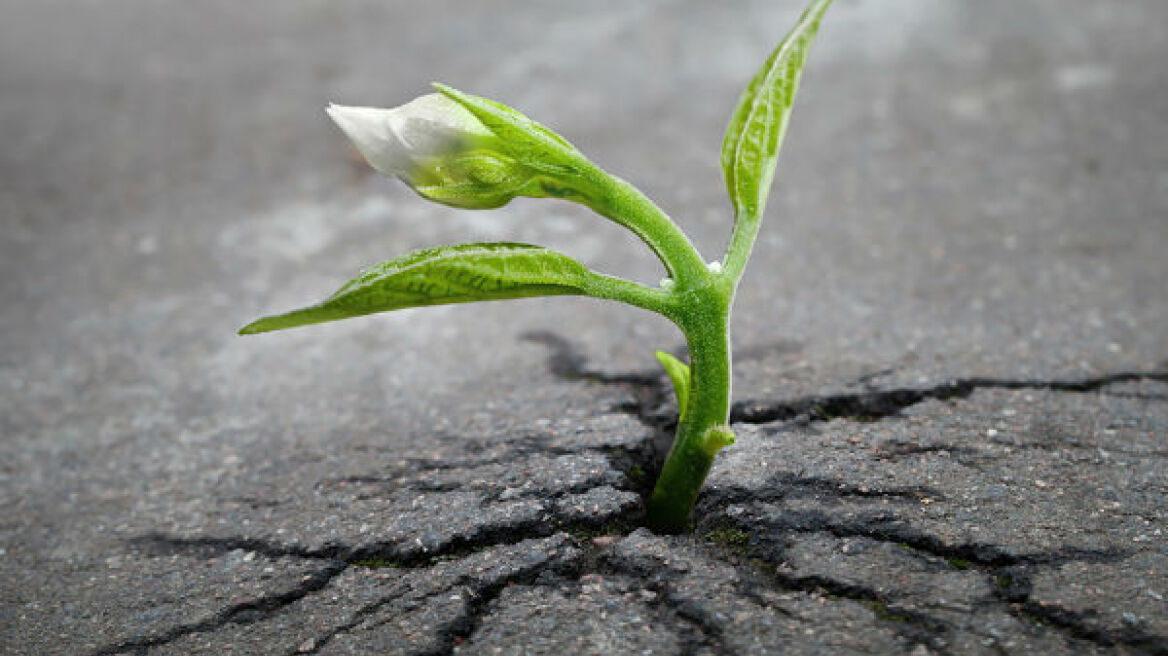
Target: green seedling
470,152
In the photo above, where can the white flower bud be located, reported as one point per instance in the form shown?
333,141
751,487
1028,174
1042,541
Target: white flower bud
397,141
438,148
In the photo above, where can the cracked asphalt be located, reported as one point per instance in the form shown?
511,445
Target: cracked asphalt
951,381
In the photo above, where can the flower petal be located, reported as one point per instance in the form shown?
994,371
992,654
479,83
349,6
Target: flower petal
370,129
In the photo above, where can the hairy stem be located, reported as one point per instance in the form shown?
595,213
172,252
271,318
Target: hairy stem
704,317
623,203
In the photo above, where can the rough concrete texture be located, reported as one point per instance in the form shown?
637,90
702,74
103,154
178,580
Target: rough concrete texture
952,353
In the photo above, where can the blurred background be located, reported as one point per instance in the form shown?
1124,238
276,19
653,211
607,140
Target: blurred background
168,172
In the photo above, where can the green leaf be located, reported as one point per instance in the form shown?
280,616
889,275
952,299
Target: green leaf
717,438
529,142
750,150
438,276
678,373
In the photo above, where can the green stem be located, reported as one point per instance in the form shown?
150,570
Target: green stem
704,318
615,199
741,243
599,285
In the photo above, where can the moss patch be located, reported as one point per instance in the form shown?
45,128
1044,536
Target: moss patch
730,537
881,610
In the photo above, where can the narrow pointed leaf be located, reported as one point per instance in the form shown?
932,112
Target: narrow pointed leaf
439,276
678,373
755,134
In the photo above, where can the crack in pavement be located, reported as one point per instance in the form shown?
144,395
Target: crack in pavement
1009,573
1009,576
567,362
479,593
240,613
875,405
1078,626
914,626
340,557
658,578
884,528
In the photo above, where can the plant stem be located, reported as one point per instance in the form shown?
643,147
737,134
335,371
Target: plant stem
704,317
623,203
699,303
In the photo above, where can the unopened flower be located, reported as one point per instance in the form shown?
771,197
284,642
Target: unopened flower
438,148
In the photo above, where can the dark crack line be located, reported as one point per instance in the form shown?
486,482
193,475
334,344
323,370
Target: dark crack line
409,470
894,530
390,553
161,544
706,631
1017,595
758,571
653,395
921,627
479,595
402,553
1077,626
1009,575
479,601
355,620
621,458
241,613
914,626
566,362
340,557
875,405
653,406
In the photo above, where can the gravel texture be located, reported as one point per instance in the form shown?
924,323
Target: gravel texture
951,375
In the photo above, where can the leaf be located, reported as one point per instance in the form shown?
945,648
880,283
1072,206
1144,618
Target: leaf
531,143
678,373
759,122
438,276
717,438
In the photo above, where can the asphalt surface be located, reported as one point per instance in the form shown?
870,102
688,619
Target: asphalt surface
951,376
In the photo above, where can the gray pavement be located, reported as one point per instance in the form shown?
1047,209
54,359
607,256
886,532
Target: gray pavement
952,353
